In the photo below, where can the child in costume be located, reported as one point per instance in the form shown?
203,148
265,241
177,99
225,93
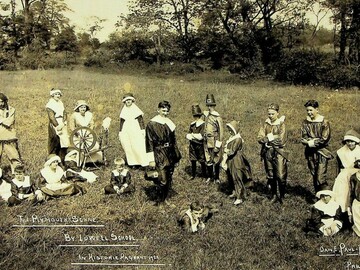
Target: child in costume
72,170
346,157
193,218
58,140
8,138
196,141
213,139
120,182
53,183
23,187
132,132
354,208
7,191
325,215
236,164
315,135
272,137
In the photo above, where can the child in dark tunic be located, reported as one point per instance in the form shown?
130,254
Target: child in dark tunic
196,145
236,164
315,135
120,182
163,152
272,137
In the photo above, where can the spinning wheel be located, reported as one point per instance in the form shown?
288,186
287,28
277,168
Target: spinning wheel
83,139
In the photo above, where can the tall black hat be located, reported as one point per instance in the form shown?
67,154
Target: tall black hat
210,100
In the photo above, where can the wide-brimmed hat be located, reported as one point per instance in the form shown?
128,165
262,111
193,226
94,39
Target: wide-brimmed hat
128,96
80,103
325,190
234,126
351,135
51,158
196,110
54,91
210,100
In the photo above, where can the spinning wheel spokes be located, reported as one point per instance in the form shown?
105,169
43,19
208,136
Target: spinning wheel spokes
83,139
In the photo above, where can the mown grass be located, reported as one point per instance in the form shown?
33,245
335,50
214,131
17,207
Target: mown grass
256,235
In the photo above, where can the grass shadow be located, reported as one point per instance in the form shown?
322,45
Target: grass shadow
301,191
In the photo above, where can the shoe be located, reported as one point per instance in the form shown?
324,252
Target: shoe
192,177
232,195
208,180
238,201
217,181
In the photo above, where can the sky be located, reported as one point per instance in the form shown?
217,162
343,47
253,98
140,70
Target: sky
84,10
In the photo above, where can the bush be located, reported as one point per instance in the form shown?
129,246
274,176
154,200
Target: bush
338,76
100,58
299,67
7,62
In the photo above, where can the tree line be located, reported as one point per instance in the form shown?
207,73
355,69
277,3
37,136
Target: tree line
247,37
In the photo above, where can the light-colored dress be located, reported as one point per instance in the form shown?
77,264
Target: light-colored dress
341,188
5,190
132,135
86,120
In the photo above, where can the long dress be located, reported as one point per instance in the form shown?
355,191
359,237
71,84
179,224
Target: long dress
86,120
132,135
341,188
238,167
53,184
58,140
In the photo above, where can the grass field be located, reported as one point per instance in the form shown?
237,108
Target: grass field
256,235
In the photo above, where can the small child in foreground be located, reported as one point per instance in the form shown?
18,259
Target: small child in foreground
193,219
325,215
120,182
23,189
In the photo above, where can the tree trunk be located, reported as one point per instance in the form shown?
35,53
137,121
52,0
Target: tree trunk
354,34
343,34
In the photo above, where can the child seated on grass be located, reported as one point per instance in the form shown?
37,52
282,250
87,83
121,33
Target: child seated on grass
53,183
120,181
6,192
193,219
325,215
23,188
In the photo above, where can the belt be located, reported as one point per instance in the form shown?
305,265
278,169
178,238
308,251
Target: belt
165,145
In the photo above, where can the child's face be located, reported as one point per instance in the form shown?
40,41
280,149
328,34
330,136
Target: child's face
312,112
57,96
119,167
325,198
19,176
350,144
82,109
232,133
128,102
273,115
164,112
197,213
54,165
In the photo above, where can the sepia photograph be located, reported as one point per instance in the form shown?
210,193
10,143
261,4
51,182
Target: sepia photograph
179,134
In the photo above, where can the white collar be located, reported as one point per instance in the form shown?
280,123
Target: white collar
319,118
236,136
276,122
198,122
164,121
25,183
131,112
215,113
